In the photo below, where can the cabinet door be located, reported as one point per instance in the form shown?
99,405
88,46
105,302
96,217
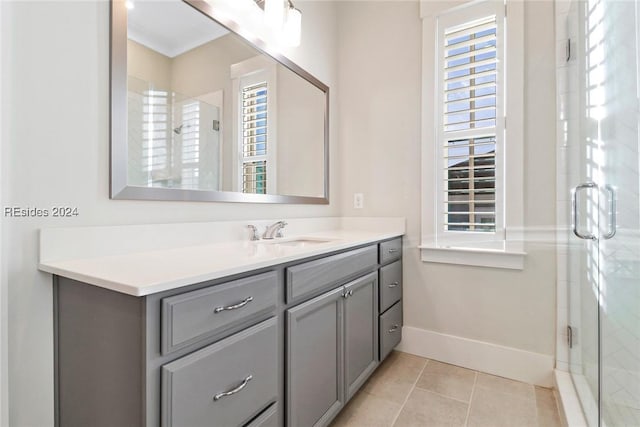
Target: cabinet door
361,331
315,382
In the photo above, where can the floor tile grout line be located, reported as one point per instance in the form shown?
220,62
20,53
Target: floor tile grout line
406,399
473,389
535,401
442,395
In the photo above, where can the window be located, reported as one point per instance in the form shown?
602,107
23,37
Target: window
190,153
254,138
471,214
254,86
155,140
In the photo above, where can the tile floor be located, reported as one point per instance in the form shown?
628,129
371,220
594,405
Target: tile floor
408,390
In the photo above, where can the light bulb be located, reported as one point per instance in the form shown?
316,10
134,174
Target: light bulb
293,27
129,4
274,13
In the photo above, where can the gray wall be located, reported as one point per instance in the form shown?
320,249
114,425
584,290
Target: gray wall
55,151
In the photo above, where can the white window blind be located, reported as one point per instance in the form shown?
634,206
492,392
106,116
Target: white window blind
471,118
190,132
254,138
155,139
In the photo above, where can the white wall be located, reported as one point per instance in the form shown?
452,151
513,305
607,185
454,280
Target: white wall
57,140
380,142
300,136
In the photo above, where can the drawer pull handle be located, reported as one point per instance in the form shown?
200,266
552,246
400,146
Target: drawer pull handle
393,285
234,306
242,385
393,250
394,328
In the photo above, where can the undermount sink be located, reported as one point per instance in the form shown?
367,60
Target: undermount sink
301,241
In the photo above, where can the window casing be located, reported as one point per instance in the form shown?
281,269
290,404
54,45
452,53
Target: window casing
472,75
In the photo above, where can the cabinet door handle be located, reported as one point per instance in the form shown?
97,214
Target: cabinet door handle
394,328
393,285
242,385
347,294
234,306
393,250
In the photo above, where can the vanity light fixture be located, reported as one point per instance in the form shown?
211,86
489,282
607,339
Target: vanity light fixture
274,13
293,25
129,4
284,18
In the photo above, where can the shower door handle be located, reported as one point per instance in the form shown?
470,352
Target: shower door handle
612,213
575,215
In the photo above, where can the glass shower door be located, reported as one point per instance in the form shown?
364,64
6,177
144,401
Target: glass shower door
583,146
603,144
619,242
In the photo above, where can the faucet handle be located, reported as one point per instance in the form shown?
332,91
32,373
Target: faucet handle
279,233
254,232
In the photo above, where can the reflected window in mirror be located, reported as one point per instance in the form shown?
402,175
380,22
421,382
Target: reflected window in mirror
255,108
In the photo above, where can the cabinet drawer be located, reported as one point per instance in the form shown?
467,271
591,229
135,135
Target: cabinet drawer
310,278
390,329
390,250
192,316
269,418
227,383
390,285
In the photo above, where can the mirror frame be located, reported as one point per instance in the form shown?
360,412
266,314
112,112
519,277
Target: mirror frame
119,189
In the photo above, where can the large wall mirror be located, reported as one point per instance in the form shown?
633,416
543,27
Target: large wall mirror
199,113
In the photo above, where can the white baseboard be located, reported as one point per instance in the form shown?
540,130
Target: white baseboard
507,362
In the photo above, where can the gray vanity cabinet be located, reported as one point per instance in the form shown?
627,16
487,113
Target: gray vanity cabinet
332,348
283,345
361,331
315,340
390,322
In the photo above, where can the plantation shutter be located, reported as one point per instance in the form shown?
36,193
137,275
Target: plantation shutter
155,140
254,138
471,121
190,132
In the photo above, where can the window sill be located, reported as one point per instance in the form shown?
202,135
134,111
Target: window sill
510,258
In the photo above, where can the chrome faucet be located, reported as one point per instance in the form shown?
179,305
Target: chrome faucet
274,230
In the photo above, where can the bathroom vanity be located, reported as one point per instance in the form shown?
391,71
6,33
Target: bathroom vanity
283,344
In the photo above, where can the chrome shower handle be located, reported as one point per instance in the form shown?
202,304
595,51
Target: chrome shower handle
575,216
612,212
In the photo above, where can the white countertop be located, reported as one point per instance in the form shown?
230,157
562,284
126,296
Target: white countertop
145,272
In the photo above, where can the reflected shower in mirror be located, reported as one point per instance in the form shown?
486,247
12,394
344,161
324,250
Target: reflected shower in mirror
209,116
